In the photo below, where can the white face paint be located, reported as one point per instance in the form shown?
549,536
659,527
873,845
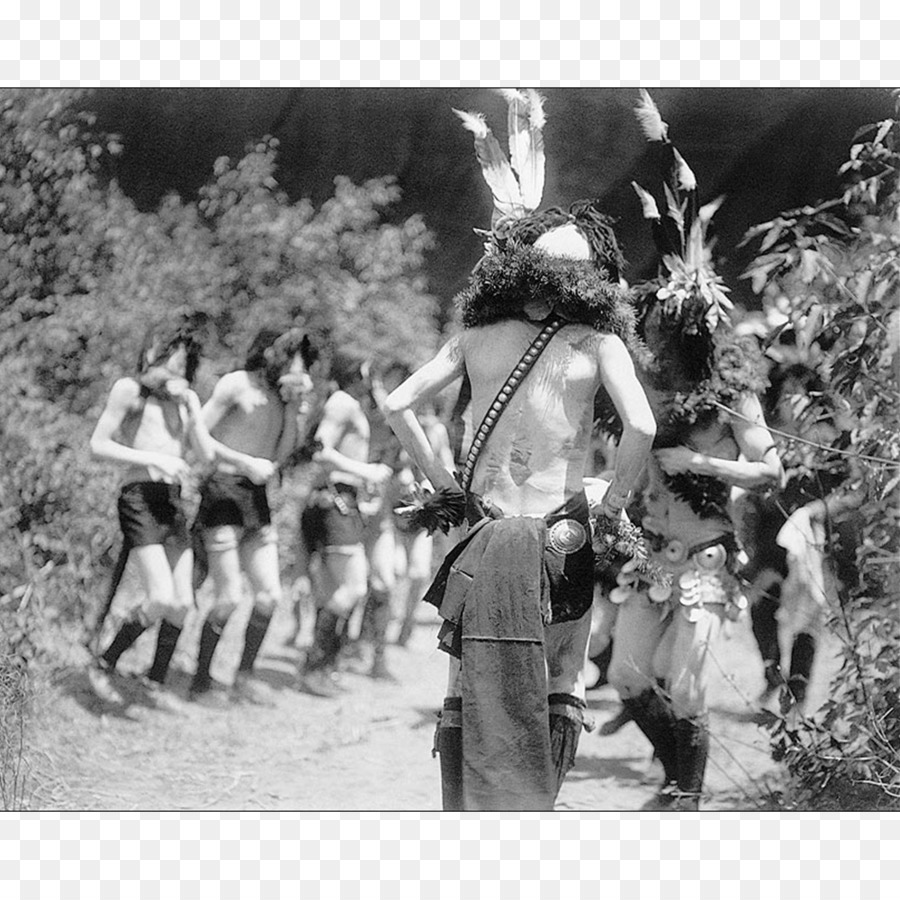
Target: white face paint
564,241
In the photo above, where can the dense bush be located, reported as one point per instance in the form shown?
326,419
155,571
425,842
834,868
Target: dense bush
84,273
834,271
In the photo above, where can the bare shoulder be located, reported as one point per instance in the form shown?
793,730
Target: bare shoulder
125,395
233,383
454,348
604,348
604,342
340,406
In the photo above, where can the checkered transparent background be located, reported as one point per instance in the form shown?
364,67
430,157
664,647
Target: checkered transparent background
430,42
546,857
551,42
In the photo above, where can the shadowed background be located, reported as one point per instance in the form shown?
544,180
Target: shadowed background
765,149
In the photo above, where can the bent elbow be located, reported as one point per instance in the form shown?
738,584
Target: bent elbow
644,426
772,474
776,477
393,407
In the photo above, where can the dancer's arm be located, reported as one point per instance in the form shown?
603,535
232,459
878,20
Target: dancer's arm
399,409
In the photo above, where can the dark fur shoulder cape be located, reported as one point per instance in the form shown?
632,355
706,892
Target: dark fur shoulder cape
577,290
736,367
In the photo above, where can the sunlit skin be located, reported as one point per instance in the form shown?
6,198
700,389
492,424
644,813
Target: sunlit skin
538,454
149,438
343,437
740,452
254,427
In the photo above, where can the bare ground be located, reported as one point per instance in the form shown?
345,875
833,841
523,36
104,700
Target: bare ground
369,749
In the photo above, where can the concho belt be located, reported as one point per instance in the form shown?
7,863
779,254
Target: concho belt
566,536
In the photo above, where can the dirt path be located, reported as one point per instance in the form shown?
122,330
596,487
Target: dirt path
369,749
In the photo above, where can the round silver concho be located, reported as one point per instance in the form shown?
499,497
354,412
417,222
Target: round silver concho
567,536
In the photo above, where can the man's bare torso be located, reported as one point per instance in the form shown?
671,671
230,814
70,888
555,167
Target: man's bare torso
155,426
353,432
669,515
537,454
255,419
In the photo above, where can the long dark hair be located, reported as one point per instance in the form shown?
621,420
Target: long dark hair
190,332
587,218
271,352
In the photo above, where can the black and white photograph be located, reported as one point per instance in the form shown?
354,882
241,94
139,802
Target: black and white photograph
299,382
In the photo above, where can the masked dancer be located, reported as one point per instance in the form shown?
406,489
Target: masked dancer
148,425
254,416
703,384
545,328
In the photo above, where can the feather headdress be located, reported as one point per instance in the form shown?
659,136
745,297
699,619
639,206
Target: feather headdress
516,183
680,232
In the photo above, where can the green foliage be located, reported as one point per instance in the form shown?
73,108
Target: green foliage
834,271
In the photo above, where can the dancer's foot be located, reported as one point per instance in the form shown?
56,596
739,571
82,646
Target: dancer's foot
319,684
161,698
380,672
246,689
98,674
209,693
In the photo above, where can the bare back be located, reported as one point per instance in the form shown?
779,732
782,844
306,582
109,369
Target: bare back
538,453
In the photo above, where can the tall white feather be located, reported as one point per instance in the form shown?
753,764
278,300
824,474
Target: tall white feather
525,119
495,167
532,176
517,128
648,204
649,118
687,181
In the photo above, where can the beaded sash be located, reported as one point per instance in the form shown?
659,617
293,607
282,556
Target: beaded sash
504,396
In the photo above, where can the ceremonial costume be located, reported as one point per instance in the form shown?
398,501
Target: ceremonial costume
695,371
152,512
231,506
516,586
331,517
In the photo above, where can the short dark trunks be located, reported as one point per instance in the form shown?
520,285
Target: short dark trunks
151,512
233,500
331,518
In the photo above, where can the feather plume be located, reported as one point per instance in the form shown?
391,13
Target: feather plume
525,119
536,115
495,167
674,208
517,126
532,178
649,118
648,204
694,252
434,511
698,253
517,130
685,178
708,210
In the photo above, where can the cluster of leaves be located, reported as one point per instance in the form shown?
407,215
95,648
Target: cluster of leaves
84,274
616,542
833,272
